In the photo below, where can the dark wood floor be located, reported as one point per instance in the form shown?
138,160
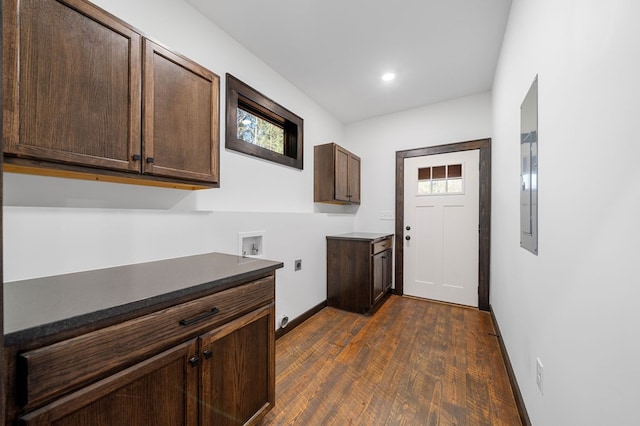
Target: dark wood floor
412,363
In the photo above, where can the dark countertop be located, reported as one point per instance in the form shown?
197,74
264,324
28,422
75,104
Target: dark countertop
40,307
360,236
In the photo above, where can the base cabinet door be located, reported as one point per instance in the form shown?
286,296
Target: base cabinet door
382,272
378,277
159,391
387,270
238,370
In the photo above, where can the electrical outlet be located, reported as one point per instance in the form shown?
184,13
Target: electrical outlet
539,374
284,321
297,265
386,215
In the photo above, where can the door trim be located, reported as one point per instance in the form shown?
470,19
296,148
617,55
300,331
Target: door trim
484,231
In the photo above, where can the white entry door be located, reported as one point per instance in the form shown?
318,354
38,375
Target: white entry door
441,202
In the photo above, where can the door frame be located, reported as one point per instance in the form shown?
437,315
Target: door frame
484,227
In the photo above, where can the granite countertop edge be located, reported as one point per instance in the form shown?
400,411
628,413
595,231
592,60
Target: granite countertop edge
160,301
361,236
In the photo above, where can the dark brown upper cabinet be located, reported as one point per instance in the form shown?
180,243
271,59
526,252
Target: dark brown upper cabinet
87,96
336,175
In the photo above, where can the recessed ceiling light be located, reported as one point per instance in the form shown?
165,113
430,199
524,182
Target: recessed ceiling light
388,76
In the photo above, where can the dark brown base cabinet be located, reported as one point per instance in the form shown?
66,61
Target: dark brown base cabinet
203,361
359,270
220,378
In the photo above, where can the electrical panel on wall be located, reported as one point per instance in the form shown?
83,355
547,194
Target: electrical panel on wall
529,170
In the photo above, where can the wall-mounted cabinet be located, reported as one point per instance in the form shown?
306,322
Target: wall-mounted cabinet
336,175
85,92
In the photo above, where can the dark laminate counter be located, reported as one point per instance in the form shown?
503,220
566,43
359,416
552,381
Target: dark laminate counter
41,307
360,236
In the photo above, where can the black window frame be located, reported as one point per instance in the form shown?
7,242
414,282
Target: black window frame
244,96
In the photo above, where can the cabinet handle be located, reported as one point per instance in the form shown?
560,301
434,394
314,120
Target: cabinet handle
194,361
207,354
200,317
136,157
149,160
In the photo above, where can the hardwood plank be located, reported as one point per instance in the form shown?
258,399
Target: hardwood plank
413,362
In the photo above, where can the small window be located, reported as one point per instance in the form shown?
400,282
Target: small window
258,126
440,180
258,131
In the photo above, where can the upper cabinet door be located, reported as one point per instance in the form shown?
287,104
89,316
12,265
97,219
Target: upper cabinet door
180,116
342,174
71,76
354,178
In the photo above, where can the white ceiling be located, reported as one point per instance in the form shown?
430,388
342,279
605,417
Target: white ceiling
336,50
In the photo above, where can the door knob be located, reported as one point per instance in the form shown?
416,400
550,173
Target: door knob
408,237
408,228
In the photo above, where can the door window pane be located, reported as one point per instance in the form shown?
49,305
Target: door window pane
424,173
424,187
445,179
454,171
440,186
454,186
439,172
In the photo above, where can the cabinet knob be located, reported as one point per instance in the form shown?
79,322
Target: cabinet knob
149,160
408,237
194,361
136,157
408,228
207,354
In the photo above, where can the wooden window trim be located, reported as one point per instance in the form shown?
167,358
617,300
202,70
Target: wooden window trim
241,95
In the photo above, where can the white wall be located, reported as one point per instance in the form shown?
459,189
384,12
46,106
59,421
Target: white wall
377,140
54,226
574,305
